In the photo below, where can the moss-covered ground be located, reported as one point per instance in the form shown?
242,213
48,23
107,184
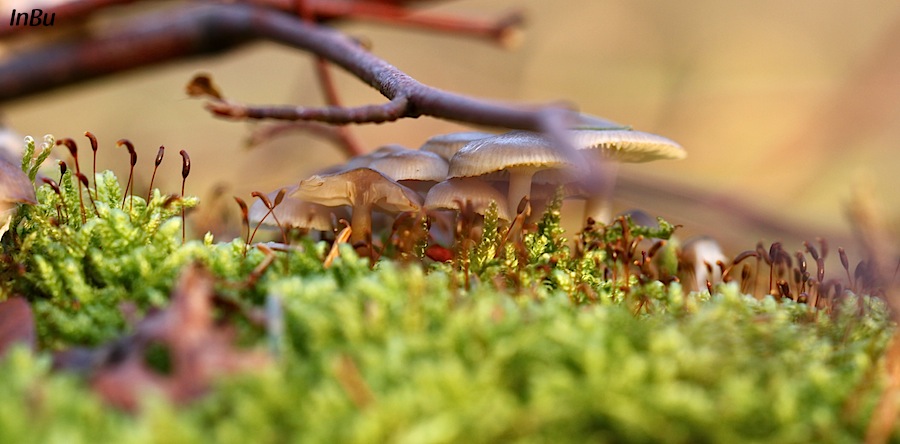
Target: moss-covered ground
535,343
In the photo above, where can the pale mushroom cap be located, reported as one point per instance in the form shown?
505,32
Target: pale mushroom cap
15,187
446,145
587,121
411,165
626,145
641,217
358,187
451,193
366,159
295,212
496,156
700,251
10,145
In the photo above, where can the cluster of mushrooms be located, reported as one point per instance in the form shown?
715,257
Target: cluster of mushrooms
464,170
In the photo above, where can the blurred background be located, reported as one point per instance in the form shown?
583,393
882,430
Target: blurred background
784,107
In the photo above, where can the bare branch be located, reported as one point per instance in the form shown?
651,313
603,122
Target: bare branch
211,28
335,115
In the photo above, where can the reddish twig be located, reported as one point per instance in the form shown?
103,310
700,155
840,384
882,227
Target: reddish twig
346,140
351,146
263,133
396,13
386,12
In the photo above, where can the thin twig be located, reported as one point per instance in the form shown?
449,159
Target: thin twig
350,144
263,133
501,30
336,115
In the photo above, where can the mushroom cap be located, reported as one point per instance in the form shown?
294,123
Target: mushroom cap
358,187
15,186
366,159
411,165
700,251
295,212
446,145
10,145
627,145
494,157
640,217
452,193
588,121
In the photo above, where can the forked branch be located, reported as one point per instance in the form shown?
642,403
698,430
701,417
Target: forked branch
210,28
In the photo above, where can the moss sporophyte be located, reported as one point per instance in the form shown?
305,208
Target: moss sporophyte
515,334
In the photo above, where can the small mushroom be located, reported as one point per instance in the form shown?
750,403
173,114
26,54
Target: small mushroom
588,121
446,145
294,212
362,189
15,188
418,170
605,149
448,199
364,160
10,144
516,156
451,193
701,255
627,145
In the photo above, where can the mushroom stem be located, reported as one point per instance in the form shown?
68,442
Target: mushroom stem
600,189
519,186
360,223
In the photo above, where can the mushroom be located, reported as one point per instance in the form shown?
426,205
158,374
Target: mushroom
10,144
516,155
701,256
362,189
294,212
588,121
627,145
605,149
446,145
15,188
418,170
451,193
364,160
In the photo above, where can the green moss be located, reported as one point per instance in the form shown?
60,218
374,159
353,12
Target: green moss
77,272
540,347
440,366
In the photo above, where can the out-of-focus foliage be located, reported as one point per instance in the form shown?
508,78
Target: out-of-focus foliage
395,355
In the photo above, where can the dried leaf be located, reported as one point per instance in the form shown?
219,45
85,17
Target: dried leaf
14,186
198,349
202,86
342,237
16,324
